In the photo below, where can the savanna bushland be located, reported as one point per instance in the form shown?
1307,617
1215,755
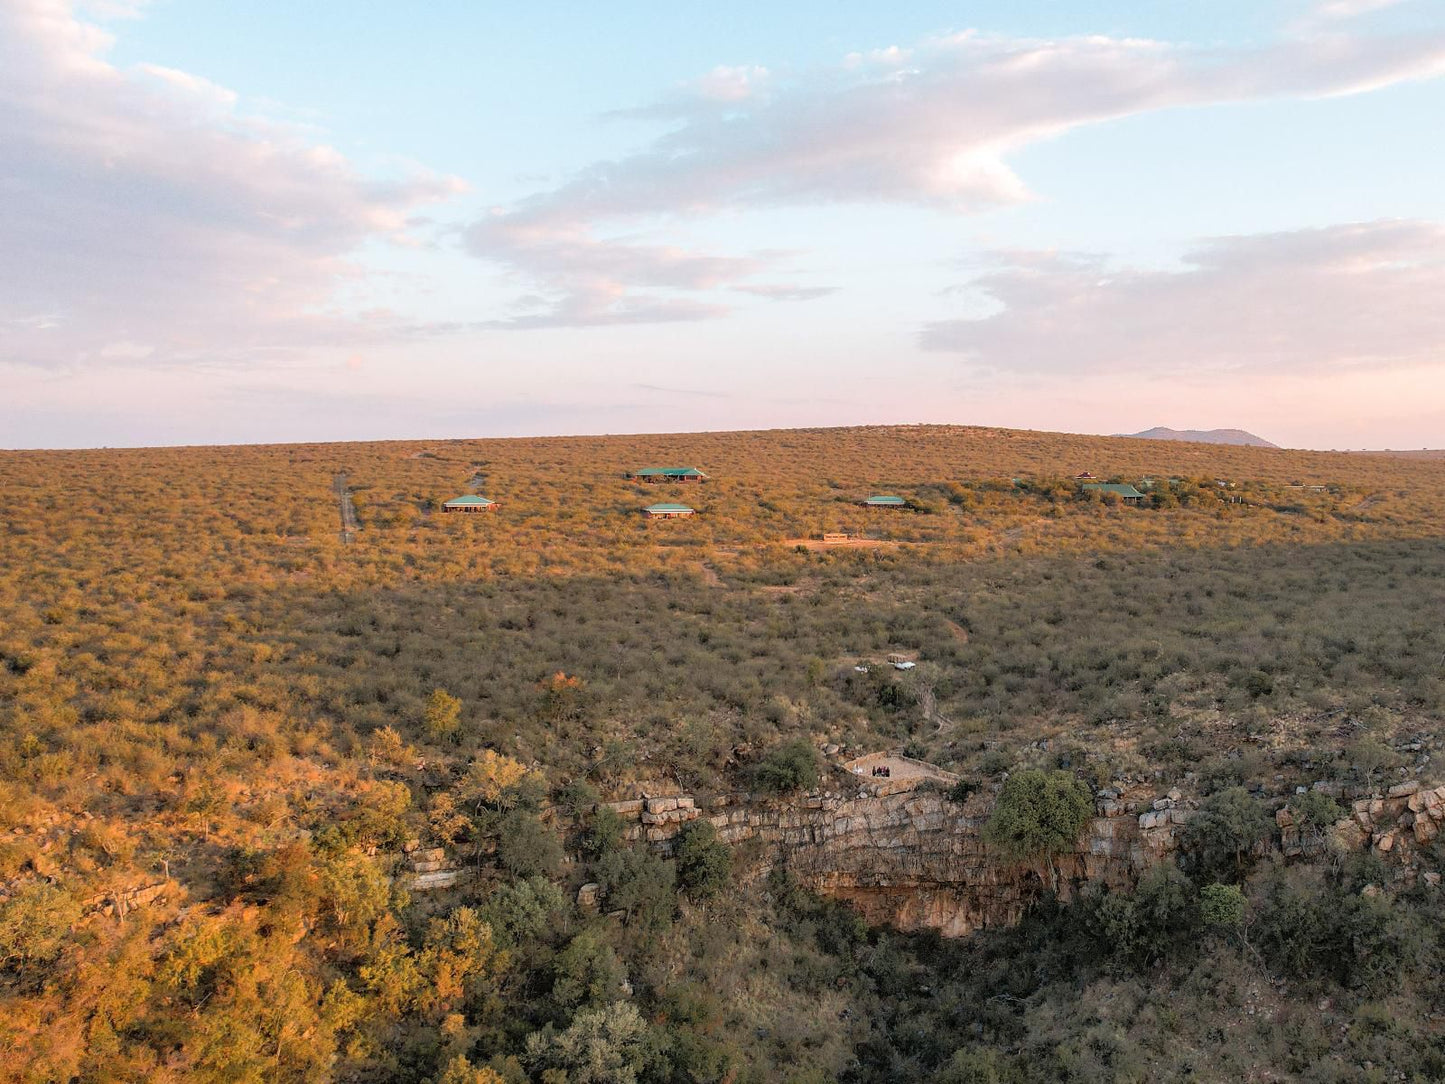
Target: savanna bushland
226,731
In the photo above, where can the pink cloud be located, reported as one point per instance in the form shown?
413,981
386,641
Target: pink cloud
930,126
1321,301
142,207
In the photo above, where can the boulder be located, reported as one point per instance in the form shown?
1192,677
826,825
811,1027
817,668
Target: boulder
1348,836
441,879
1425,830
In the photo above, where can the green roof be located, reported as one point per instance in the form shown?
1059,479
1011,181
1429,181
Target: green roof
668,472
470,500
1123,489
667,508
887,501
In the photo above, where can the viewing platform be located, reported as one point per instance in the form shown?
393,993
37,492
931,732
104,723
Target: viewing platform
903,773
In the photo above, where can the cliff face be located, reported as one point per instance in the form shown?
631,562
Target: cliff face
916,860
910,860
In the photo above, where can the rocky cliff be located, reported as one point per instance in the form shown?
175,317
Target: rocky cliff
914,860
917,860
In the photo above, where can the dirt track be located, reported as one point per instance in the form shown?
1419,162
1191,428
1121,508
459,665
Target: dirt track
852,543
348,510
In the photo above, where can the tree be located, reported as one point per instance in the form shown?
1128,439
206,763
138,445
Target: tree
1315,811
588,972
561,697
787,768
461,1071
642,885
34,923
1222,906
443,716
605,1045
604,832
385,749
1039,814
703,861
526,847
523,911
491,777
1369,755
1219,841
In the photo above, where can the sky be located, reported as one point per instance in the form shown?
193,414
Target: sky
361,220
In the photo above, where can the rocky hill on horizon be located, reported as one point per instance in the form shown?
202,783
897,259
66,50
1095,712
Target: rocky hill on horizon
1204,436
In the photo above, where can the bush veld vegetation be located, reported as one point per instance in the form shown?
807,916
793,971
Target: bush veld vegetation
220,725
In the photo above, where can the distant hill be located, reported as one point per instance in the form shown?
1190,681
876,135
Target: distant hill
1204,436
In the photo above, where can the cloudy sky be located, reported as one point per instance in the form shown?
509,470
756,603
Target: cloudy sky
360,219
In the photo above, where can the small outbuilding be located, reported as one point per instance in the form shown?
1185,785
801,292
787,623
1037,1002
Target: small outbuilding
668,474
469,503
1123,490
884,501
668,511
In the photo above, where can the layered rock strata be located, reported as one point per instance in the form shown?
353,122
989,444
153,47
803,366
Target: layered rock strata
917,860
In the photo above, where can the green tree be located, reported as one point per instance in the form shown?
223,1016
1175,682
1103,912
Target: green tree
1222,906
1369,755
604,832
1314,812
1039,815
703,861
523,911
788,768
642,885
526,847
605,1045
587,972
1219,841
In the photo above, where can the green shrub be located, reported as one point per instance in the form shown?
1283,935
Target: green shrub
962,790
526,847
1039,814
1222,906
703,861
1315,809
790,767
1218,843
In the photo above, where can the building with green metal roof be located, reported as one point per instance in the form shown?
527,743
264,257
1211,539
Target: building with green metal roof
668,474
470,502
668,511
884,501
1123,490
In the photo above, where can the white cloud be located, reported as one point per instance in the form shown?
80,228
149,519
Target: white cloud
139,209
591,283
1321,301
930,126
1351,9
725,84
